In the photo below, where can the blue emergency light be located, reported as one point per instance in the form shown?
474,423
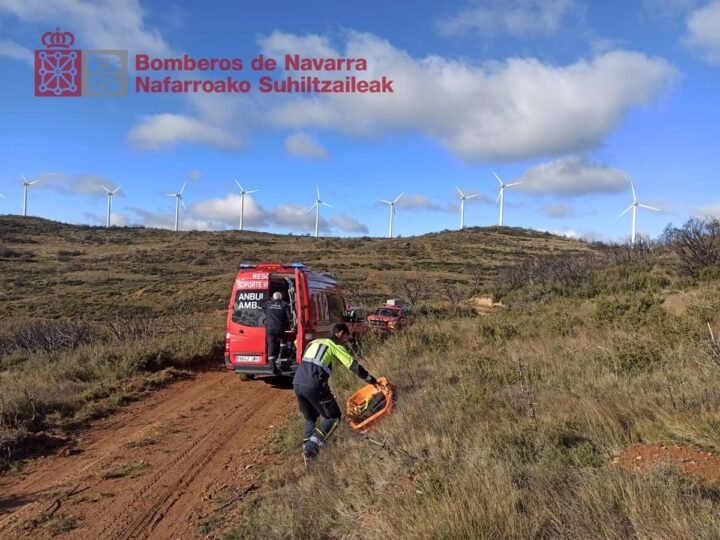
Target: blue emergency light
246,265
297,265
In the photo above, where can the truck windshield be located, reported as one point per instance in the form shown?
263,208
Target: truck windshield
387,312
248,307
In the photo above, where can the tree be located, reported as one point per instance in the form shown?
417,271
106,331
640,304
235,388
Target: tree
696,243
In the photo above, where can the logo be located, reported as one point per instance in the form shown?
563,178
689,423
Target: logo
64,72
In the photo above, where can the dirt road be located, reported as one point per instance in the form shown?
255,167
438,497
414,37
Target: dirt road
167,467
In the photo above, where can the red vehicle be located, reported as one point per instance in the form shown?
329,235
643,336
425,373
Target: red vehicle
316,303
390,317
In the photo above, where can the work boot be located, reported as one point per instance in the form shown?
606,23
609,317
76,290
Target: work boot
311,449
272,361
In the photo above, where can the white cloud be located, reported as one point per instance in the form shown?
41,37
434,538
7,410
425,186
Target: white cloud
703,31
82,184
292,215
421,202
161,131
348,224
194,175
711,210
101,24
10,49
515,17
511,110
227,211
166,220
304,145
573,176
557,210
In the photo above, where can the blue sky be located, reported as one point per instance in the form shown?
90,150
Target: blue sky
574,98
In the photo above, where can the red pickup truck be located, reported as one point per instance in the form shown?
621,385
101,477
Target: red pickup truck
391,317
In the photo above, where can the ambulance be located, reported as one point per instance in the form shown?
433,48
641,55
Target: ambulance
316,303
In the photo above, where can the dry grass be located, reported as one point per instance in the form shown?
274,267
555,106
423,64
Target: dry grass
506,426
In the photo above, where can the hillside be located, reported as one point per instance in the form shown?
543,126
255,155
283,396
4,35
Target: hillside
584,407
49,269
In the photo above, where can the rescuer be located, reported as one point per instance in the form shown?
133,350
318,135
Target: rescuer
278,318
312,388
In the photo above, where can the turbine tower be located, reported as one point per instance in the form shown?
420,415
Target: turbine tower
463,198
392,212
316,206
243,192
178,202
26,183
501,195
109,198
634,206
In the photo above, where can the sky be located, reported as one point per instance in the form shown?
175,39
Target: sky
573,98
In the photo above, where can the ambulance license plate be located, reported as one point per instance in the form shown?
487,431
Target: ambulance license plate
247,359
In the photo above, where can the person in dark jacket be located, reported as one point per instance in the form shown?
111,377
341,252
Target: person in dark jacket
313,391
278,318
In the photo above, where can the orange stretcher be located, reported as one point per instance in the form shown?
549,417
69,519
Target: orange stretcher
369,404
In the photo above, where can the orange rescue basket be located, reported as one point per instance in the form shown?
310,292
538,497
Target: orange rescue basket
369,404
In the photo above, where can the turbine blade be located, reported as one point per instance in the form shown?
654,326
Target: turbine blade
472,196
171,194
384,201
398,197
498,178
182,203
2,196
326,204
498,197
632,186
238,185
182,188
312,207
116,190
24,179
33,182
462,195
252,191
649,207
514,184
106,189
317,188
625,211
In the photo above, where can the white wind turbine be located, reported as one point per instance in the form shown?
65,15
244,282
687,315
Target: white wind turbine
634,206
464,198
392,212
109,198
316,206
26,183
244,192
178,202
501,195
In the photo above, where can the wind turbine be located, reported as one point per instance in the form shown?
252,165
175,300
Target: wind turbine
463,198
26,183
109,198
634,206
316,206
392,212
244,192
178,202
501,195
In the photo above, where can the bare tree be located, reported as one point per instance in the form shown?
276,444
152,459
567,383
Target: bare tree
696,243
413,288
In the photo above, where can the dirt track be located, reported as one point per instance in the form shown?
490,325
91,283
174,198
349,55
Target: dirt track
171,466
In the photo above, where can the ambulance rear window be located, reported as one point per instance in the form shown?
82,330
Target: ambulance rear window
248,307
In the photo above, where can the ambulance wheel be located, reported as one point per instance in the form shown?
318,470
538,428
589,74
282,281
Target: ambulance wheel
246,377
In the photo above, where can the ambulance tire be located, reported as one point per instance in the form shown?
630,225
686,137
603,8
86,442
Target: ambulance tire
246,377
